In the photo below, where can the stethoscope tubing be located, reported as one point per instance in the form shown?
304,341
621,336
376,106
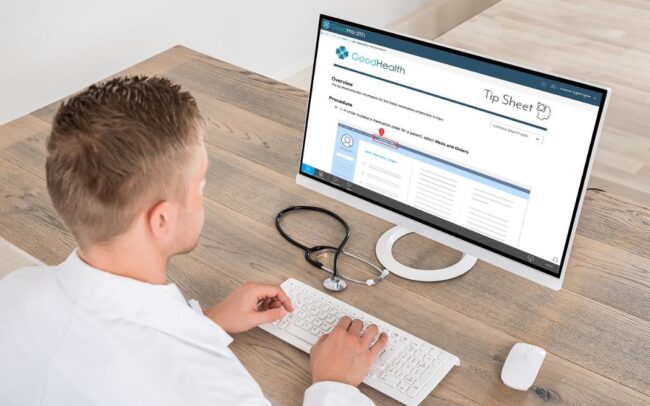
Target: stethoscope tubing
309,251
337,250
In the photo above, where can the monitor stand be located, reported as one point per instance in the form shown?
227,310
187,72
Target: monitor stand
384,251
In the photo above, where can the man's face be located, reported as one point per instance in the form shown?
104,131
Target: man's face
191,213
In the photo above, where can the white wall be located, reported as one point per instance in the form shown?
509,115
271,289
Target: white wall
49,49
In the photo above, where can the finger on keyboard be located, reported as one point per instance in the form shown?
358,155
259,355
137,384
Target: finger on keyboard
406,368
379,345
370,334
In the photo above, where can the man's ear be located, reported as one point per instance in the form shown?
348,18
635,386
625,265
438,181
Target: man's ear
159,219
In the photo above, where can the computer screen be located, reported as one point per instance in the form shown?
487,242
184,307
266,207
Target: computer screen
488,152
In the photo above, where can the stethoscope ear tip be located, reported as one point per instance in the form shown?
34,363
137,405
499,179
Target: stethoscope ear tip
384,274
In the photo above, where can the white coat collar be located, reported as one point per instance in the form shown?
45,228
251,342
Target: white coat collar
156,306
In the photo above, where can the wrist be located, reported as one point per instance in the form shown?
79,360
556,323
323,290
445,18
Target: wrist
213,314
345,393
337,385
326,378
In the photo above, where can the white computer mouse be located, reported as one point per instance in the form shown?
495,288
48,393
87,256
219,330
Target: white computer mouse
522,365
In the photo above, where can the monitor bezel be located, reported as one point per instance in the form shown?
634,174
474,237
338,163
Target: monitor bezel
459,242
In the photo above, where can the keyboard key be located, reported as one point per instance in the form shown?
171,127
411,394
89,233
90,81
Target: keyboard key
428,373
374,373
389,379
402,386
415,388
389,353
301,334
404,368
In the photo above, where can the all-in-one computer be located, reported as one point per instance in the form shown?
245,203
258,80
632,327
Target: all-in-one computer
487,157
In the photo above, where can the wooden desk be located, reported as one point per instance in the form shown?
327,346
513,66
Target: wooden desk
596,330
602,41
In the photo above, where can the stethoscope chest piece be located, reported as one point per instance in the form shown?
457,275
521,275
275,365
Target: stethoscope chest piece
334,283
311,255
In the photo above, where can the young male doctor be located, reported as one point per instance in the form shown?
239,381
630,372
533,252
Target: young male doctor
125,171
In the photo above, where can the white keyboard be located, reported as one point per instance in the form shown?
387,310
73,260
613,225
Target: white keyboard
407,370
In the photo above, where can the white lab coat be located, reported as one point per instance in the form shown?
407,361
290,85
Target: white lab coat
74,335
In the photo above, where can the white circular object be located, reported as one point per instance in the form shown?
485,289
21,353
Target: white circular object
384,251
335,284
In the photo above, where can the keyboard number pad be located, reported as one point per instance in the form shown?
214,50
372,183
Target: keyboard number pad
410,368
404,364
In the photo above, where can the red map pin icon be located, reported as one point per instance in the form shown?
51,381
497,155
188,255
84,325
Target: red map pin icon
381,132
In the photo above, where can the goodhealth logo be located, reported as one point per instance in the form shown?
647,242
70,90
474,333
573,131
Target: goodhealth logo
341,52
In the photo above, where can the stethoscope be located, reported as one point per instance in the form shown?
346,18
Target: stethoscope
336,281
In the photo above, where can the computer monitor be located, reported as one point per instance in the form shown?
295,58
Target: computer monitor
487,157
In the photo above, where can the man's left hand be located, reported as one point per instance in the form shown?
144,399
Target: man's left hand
249,306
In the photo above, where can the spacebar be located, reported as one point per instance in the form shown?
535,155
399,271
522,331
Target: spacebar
301,334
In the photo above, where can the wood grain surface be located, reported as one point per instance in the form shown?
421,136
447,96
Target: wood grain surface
606,42
596,329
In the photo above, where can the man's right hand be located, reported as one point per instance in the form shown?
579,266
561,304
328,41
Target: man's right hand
345,355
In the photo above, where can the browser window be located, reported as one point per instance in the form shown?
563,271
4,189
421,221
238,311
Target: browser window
487,152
